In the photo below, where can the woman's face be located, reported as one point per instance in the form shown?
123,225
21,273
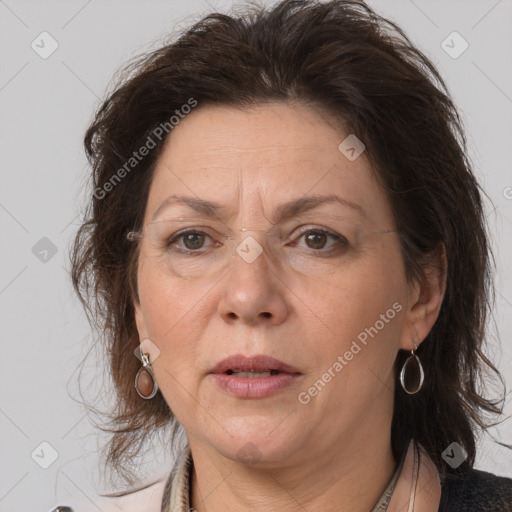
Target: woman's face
335,309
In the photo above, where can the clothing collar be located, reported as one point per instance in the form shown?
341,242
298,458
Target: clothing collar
414,487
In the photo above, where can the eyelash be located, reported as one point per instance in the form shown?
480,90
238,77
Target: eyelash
340,240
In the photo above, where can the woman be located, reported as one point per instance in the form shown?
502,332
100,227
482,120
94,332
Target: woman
286,231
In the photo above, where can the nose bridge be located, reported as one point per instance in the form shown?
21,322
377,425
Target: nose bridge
252,250
252,288
251,243
254,231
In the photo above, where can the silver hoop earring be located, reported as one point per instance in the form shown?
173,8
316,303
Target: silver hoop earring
145,382
412,375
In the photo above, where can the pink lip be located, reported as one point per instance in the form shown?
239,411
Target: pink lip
258,387
257,363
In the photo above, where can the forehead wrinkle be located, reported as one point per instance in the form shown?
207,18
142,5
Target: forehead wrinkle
240,195
231,209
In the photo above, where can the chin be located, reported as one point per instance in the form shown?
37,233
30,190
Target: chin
257,445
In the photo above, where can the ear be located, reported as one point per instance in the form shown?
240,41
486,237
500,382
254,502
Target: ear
425,299
139,320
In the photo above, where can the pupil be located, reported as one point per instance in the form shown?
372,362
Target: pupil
194,240
314,238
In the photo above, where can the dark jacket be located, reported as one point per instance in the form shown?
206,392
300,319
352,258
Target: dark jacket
476,491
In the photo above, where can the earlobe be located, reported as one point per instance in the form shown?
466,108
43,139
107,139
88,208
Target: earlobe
426,299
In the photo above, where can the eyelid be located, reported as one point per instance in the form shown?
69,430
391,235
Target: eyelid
311,227
339,239
180,234
301,230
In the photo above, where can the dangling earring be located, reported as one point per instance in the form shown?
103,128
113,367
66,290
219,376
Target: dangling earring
145,382
412,375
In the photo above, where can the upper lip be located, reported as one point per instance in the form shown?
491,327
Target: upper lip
256,363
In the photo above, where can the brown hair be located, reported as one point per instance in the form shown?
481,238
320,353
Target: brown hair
342,57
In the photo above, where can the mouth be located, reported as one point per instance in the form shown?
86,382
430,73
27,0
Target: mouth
253,377
257,366
252,374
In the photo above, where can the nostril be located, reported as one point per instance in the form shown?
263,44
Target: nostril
266,314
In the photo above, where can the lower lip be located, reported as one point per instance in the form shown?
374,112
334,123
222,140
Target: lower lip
259,387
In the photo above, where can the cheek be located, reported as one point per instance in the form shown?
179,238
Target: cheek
174,316
356,367
169,304
361,312
173,321
355,297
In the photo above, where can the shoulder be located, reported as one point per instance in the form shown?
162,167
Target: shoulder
476,491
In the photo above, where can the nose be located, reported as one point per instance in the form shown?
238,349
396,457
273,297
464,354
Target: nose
253,291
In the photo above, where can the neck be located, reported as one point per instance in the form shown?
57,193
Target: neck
349,478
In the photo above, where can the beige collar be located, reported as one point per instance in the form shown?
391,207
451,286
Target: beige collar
417,489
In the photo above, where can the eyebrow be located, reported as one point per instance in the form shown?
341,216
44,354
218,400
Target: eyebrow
282,212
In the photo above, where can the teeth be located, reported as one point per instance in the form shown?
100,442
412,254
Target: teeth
252,374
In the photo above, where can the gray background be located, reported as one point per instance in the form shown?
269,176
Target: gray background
45,107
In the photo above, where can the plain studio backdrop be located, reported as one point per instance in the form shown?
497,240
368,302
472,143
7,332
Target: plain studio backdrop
58,58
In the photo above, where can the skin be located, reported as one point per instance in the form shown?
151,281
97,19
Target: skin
333,453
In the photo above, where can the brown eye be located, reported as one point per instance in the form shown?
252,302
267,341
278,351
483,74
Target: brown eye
189,242
316,239
321,242
193,240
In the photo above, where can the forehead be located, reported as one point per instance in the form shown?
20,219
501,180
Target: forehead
266,155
